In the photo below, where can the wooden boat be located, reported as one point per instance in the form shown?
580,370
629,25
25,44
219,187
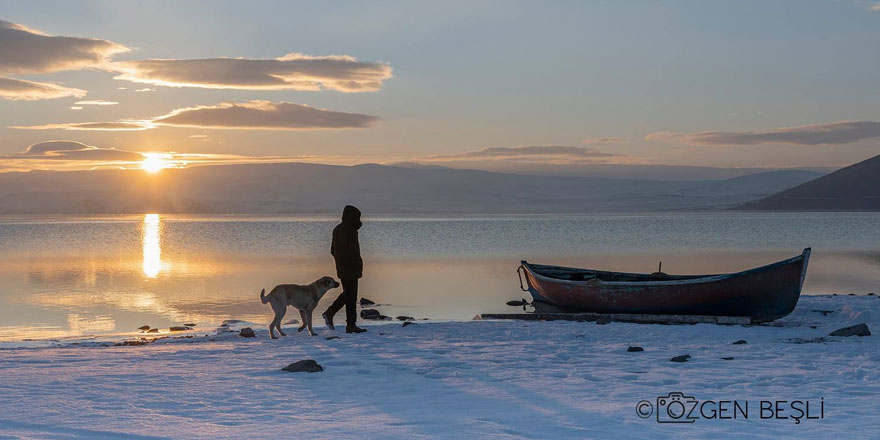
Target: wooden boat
763,294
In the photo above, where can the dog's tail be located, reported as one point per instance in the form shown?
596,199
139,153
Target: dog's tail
263,296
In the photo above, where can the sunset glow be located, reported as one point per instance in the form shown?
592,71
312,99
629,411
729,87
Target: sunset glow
152,162
152,248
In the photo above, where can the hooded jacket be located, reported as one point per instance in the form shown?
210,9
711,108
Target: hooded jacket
345,247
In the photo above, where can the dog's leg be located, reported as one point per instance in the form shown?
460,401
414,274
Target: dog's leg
302,317
276,321
278,326
308,316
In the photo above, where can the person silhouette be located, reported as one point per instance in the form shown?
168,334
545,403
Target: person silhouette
346,252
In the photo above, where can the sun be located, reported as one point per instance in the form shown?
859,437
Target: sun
153,162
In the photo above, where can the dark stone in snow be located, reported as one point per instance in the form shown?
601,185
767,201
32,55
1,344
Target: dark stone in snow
178,329
153,330
330,338
517,303
813,326
247,332
682,358
144,327
408,323
370,314
856,330
740,342
871,294
405,318
190,325
307,366
602,320
634,349
132,343
728,358
366,302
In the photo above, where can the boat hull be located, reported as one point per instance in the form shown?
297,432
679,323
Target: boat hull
762,294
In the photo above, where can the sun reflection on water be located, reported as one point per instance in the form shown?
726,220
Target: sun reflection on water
152,248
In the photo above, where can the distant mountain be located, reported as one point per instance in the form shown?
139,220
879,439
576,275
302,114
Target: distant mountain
854,188
299,188
609,171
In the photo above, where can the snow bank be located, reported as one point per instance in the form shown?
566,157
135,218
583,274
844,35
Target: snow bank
507,379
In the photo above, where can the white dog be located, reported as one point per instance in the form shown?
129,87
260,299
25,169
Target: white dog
303,298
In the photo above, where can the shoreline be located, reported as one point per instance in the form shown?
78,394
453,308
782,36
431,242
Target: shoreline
511,379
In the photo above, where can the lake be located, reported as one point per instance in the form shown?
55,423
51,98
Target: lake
75,277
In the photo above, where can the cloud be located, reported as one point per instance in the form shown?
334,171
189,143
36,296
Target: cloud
96,102
22,90
539,153
75,107
875,7
294,71
24,50
835,133
145,89
95,126
72,150
259,115
601,141
263,115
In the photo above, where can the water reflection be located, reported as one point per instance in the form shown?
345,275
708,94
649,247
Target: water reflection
152,248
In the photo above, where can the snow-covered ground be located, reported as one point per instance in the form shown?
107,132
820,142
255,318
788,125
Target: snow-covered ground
508,379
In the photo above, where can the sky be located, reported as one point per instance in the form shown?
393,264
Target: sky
763,84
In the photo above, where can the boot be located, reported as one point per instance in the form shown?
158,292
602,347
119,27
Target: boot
328,320
351,328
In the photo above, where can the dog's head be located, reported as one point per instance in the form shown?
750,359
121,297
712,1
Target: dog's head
327,283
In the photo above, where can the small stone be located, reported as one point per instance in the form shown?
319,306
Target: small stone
132,343
728,358
740,342
366,302
856,330
633,349
408,323
813,326
602,320
370,314
190,325
872,294
247,332
144,328
307,366
178,329
330,338
405,318
517,303
682,358
153,330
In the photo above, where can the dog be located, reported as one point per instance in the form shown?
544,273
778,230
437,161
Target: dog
303,298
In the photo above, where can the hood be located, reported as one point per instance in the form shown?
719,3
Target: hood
351,216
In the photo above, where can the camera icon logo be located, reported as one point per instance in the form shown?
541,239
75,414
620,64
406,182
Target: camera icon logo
676,408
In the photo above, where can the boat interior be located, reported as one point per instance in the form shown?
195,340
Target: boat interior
574,274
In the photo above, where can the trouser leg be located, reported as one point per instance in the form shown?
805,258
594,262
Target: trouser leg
338,303
350,291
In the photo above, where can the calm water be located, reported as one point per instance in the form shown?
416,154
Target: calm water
75,277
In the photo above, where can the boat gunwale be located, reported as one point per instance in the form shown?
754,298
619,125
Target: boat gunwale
698,279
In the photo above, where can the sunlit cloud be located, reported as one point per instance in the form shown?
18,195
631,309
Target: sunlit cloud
65,155
263,115
91,126
602,141
537,153
294,71
72,150
256,115
145,89
23,90
75,107
835,133
25,50
96,102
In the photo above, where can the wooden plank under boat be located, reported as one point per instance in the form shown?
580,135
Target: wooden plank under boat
762,294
